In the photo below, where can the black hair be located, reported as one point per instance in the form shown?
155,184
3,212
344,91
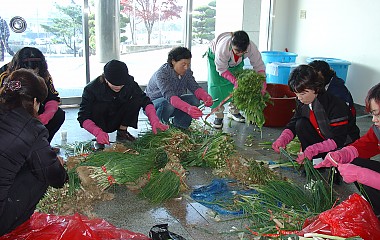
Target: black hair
20,88
325,69
240,40
373,94
305,77
177,54
30,58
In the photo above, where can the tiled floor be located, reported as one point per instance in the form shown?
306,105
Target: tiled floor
184,216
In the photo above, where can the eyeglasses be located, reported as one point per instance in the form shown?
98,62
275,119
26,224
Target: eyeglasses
375,115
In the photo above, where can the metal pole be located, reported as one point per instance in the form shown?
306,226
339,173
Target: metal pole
86,36
189,20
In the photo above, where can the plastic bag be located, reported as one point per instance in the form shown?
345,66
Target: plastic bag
161,232
353,217
43,226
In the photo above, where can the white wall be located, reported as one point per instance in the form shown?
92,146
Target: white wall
344,29
229,16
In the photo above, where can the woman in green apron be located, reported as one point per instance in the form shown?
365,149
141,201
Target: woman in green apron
226,55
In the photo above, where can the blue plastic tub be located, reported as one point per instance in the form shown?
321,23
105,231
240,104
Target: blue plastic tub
340,66
278,72
278,56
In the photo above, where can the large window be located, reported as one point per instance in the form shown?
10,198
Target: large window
66,32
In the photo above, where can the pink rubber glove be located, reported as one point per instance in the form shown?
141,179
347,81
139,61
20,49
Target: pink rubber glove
101,136
344,155
228,75
51,108
352,173
283,140
150,112
193,111
264,89
313,150
201,94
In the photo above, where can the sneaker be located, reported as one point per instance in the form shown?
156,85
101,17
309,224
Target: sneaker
218,123
123,135
98,146
236,117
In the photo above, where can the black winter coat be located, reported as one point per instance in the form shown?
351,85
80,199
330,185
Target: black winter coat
97,91
23,147
333,116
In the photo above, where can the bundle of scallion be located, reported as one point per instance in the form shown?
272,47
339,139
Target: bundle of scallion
216,149
162,186
121,168
288,203
248,98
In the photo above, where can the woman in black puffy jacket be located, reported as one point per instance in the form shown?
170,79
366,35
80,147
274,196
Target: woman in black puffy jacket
28,165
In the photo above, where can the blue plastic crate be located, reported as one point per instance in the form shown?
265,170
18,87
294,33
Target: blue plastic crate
278,72
278,56
340,66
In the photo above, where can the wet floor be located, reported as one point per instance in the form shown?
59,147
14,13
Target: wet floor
185,216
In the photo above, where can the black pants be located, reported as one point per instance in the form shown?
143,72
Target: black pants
371,194
55,123
109,118
21,202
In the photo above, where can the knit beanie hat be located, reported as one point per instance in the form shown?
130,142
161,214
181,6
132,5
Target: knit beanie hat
116,72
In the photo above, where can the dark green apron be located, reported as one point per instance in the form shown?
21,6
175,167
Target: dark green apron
218,86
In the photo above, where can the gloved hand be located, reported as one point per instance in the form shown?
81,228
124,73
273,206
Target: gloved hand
344,155
150,112
283,140
313,150
352,173
101,136
264,89
51,108
193,111
201,94
228,75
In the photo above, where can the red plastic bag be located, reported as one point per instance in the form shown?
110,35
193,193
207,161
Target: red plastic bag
353,217
43,226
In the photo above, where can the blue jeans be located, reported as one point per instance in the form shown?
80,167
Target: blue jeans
165,111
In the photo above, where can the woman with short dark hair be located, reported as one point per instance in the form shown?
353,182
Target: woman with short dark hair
168,88
225,57
321,121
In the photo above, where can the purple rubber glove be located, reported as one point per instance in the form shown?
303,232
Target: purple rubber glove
101,136
313,150
342,156
201,94
193,111
150,112
352,173
283,140
51,108
231,78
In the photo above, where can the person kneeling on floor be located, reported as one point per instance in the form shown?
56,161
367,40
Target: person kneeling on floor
28,163
112,102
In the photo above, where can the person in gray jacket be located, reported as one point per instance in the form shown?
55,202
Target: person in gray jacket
174,92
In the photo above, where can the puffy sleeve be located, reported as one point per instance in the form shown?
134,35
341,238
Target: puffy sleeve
44,163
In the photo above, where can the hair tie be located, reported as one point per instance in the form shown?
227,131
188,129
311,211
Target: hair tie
12,85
